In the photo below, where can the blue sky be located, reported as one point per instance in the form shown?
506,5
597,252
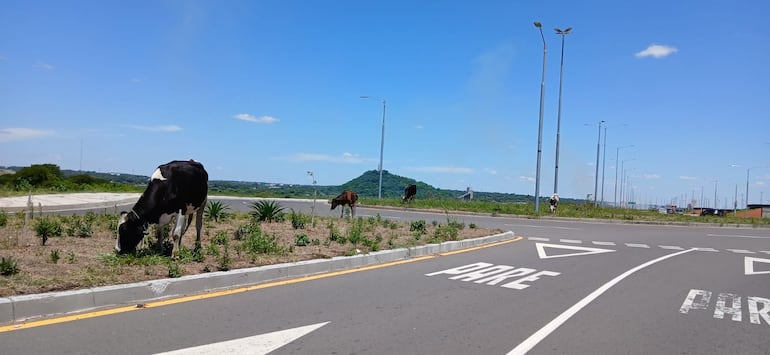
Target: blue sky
268,90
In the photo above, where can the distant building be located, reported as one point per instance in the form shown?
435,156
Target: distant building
755,211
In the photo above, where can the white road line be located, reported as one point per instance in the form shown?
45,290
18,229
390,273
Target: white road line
765,251
706,249
634,245
571,241
539,239
253,345
741,251
536,226
670,247
737,236
603,243
538,336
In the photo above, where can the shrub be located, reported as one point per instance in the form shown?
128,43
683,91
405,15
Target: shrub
174,270
3,219
55,256
418,226
216,211
47,227
301,240
267,211
298,220
8,267
257,242
80,227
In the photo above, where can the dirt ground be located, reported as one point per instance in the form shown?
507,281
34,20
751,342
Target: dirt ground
69,262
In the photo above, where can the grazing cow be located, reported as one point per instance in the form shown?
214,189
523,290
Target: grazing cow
554,201
347,197
177,189
409,193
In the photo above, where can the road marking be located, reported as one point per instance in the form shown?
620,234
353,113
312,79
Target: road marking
203,296
604,243
634,245
748,265
536,226
538,336
539,239
706,249
764,251
737,236
583,250
571,241
257,345
670,247
741,251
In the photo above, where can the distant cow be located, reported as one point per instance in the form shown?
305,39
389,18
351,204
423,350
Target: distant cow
409,193
177,189
347,197
554,201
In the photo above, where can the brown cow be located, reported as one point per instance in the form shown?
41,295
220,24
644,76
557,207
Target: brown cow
347,197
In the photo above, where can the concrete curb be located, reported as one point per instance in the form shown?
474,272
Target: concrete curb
26,307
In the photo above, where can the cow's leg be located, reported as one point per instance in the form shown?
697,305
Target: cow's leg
179,229
353,211
159,236
199,226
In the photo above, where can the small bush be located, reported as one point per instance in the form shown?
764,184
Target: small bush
298,220
3,219
267,211
174,270
418,226
216,211
8,267
47,227
301,240
55,256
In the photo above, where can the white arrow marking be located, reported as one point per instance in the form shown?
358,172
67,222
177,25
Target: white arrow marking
583,250
748,265
256,345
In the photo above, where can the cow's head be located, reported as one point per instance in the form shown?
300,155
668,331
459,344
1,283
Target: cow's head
131,230
335,203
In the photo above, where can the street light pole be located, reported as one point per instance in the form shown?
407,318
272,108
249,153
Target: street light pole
382,143
617,155
747,182
540,125
596,175
604,161
558,115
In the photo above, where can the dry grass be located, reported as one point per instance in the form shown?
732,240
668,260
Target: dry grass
90,261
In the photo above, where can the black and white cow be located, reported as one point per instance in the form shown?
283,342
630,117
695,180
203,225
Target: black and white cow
554,201
409,192
177,189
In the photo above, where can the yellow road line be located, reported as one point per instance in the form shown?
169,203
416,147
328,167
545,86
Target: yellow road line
168,302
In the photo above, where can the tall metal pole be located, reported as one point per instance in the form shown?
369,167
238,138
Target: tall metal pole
558,115
747,187
604,161
596,175
617,157
716,206
382,142
540,125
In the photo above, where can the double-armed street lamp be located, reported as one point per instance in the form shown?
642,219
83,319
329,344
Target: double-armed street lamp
563,34
540,125
382,141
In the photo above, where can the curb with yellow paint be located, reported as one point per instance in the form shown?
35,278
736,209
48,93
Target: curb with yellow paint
22,309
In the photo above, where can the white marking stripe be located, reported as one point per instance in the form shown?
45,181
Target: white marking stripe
670,247
706,249
538,336
254,345
764,251
737,236
604,243
581,250
539,239
632,245
748,265
741,251
571,241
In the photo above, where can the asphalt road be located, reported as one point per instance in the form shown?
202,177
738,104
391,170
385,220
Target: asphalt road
566,287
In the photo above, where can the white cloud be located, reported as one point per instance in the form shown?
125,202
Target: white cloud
255,119
656,51
527,178
651,176
44,65
419,126
687,178
16,134
345,158
490,171
161,128
441,169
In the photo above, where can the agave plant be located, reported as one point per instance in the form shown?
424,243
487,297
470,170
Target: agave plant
267,211
216,211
